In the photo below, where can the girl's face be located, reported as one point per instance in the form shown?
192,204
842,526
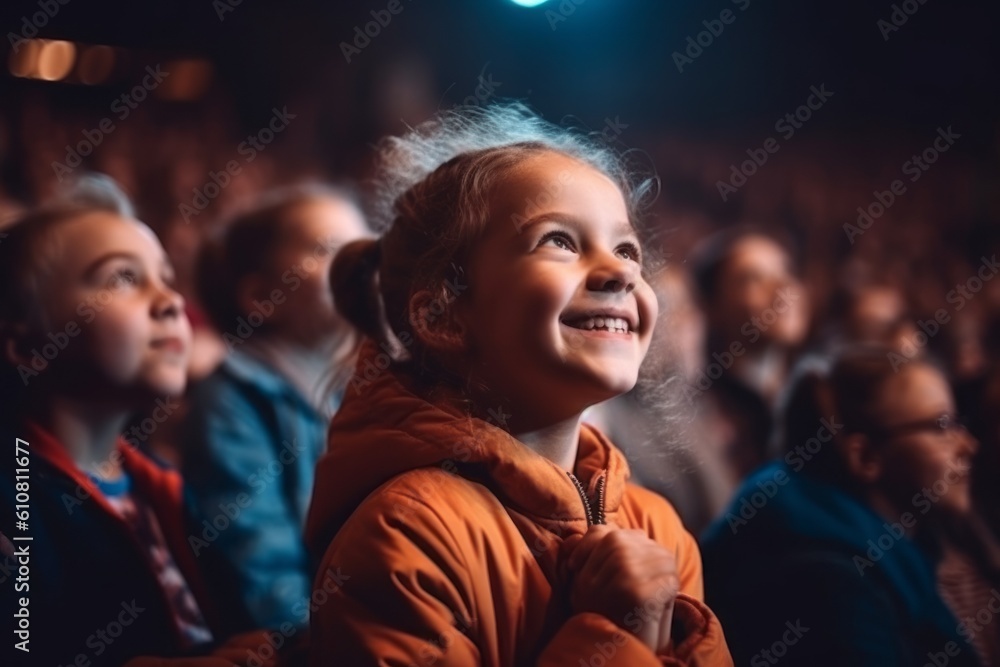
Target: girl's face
927,456
108,295
558,316
316,229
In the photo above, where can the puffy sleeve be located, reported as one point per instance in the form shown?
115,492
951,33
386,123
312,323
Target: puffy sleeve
393,590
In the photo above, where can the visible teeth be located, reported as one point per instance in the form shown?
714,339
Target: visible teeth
613,324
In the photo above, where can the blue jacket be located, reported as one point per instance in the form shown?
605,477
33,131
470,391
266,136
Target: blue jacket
251,442
801,571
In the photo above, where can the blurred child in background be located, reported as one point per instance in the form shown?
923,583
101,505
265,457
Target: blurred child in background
92,331
257,425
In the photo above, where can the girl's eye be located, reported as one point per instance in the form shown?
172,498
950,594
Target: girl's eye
630,251
124,277
558,239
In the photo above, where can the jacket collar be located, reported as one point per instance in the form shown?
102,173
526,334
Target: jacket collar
163,489
383,429
251,368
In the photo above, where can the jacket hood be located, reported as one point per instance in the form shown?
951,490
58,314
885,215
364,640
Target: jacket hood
383,429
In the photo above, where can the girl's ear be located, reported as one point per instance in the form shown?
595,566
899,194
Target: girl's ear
434,322
16,342
863,460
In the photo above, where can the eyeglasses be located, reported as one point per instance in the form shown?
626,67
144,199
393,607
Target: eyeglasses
941,425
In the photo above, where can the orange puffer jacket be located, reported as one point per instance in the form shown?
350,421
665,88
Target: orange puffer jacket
439,536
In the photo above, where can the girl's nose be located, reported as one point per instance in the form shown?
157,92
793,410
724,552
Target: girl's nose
968,444
613,274
168,302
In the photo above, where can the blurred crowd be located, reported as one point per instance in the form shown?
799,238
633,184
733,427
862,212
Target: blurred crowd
765,301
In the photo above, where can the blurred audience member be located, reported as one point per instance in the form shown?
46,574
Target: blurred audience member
986,470
969,582
257,425
832,549
871,313
757,315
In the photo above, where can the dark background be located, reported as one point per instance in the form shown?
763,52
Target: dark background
607,61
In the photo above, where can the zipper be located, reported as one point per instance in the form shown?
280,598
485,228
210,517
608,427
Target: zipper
593,518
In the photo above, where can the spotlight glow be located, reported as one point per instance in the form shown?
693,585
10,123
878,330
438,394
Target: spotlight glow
55,60
528,3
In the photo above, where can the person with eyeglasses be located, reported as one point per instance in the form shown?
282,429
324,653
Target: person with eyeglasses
828,556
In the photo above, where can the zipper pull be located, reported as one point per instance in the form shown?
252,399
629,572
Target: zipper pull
583,497
593,518
599,497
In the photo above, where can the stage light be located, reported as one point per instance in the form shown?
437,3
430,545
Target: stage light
24,60
56,60
529,3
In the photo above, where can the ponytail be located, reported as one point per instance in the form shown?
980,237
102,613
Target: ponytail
355,286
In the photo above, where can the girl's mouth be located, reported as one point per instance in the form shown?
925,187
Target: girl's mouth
608,324
171,344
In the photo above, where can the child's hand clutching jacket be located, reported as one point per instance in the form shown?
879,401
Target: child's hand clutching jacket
626,577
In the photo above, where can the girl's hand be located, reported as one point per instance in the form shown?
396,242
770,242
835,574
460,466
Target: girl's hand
626,577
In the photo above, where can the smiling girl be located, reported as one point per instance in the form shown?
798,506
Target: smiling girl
466,515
